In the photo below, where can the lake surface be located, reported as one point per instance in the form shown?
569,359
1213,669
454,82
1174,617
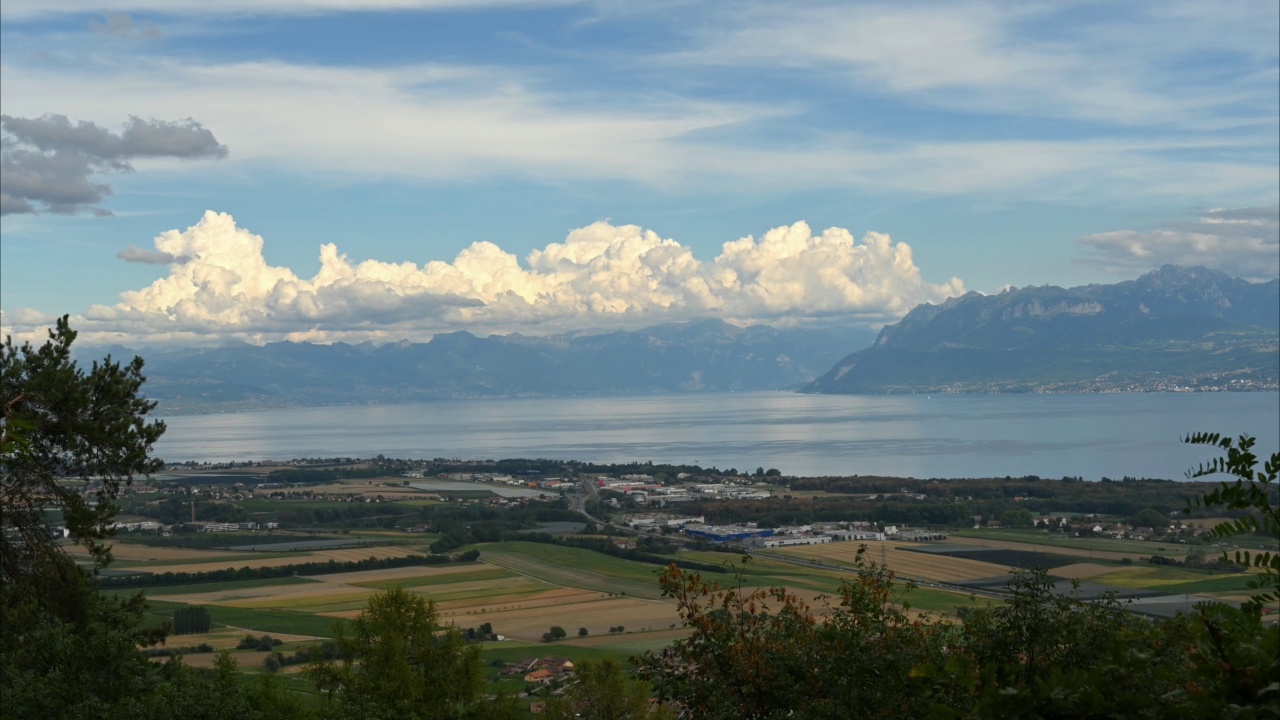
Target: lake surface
1091,436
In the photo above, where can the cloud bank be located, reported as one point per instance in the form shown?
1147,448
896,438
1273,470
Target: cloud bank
49,160
219,286
1244,242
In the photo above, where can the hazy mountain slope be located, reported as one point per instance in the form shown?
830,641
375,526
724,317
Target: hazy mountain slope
1174,328
704,356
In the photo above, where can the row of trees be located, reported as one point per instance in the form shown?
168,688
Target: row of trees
328,567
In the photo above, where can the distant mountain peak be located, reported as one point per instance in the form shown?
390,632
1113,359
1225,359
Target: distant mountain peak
1194,323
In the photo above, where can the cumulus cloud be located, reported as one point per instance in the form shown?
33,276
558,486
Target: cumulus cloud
601,275
135,254
49,160
1244,242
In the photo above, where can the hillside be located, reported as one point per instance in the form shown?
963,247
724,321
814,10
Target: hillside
1173,329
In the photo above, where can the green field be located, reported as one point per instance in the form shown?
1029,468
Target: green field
1041,537
262,621
574,567
763,571
194,588
1174,580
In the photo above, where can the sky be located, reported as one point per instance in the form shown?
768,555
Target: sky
330,170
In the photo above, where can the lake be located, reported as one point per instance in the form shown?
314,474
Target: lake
945,436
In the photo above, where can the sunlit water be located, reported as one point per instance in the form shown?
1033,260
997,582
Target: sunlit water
941,436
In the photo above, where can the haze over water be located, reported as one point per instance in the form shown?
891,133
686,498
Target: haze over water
1091,436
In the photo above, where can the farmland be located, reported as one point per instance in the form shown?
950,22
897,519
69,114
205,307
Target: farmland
522,566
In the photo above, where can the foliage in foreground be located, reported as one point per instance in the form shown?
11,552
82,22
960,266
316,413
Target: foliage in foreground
766,654
763,653
398,661
1252,493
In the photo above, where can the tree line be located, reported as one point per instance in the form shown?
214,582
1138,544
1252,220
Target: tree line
329,567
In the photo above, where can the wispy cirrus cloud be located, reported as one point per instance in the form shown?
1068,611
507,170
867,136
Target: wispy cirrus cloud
447,122
1141,64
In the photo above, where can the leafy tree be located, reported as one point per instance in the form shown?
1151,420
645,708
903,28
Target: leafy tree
61,425
602,690
70,440
763,654
398,661
583,632
1017,518
1152,518
190,620
1251,494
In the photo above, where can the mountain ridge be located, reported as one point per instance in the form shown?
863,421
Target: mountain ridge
698,356
1175,328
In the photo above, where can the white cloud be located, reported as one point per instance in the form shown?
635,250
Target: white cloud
1244,242
441,122
32,9
419,121
600,276
1125,65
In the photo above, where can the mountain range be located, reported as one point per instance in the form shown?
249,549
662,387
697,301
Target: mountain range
1173,329
700,356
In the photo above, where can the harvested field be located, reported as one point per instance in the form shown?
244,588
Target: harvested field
487,574
128,552
597,613
250,563
362,577
620,641
227,638
354,554
239,561
906,563
247,659
482,590
280,598
305,545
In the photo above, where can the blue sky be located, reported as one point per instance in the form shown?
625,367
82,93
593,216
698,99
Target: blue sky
540,167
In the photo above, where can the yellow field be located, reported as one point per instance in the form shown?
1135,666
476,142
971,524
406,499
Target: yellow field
907,564
529,617
251,563
1082,571
205,563
130,552
1050,549
362,553
226,639
414,571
